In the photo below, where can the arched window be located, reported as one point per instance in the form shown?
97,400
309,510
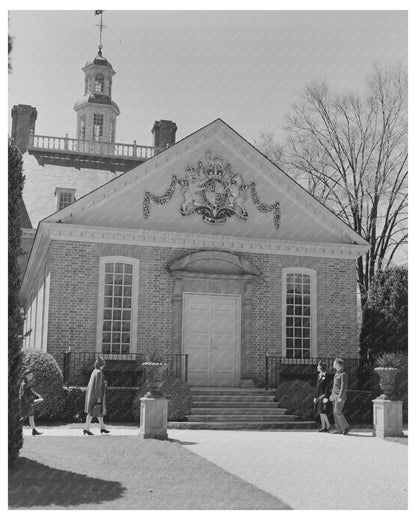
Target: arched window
99,83
118,298
299,313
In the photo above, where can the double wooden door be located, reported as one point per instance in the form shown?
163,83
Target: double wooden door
211,338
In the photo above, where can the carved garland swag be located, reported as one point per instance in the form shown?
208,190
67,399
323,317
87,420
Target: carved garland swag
167,196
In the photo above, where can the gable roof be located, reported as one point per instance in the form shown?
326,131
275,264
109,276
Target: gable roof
110,204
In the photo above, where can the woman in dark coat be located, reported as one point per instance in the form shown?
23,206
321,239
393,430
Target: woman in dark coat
28,399
322,393
95,398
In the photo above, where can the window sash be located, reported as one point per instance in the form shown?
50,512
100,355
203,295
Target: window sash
118,305
299,313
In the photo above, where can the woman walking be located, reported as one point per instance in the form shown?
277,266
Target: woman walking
95,398
321,400
339,397
28,399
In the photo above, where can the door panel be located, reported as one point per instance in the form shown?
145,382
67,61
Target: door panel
210,337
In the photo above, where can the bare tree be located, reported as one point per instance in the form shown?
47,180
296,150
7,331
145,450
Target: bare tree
350,152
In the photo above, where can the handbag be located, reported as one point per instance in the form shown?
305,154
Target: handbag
97,410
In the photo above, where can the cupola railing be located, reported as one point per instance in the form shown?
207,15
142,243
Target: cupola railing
70,145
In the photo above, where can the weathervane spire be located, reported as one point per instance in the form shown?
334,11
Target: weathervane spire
101,26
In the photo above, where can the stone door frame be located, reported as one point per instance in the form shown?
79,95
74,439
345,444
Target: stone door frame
215,272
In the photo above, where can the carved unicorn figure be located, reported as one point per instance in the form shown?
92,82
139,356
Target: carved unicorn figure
237,194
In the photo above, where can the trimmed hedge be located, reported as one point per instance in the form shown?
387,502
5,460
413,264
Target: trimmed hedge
177,391
359,407
47,381
297,397
119,404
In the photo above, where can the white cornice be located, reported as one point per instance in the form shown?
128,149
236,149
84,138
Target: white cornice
37,255
78,233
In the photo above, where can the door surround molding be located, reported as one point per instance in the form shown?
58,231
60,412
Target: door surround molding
215,272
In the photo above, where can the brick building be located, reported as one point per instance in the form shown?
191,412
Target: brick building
202,247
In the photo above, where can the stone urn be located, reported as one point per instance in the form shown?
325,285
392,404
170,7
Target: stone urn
387,377
155,373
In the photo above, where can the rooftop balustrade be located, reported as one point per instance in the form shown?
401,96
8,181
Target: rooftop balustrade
46,143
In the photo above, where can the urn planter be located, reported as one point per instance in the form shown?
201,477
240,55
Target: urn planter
155,373
387,377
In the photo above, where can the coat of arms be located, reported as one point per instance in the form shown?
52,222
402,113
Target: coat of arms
213,191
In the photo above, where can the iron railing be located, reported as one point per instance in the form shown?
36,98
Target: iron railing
121,369
279,369
79,146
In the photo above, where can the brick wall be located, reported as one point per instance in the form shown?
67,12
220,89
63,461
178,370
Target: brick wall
74,287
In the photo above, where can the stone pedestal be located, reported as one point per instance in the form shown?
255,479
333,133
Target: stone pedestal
153,418
387,417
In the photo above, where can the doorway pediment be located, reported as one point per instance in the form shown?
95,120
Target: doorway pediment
214,262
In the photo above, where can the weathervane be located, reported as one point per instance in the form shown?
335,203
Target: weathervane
101,26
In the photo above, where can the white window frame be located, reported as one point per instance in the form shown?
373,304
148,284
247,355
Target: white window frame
67,191
134,301
97,127
313,315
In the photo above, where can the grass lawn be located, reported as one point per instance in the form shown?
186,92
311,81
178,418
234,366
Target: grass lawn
124,473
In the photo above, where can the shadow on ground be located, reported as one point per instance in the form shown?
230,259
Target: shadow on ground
32,484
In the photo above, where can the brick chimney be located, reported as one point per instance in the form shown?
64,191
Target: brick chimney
164,133
23,121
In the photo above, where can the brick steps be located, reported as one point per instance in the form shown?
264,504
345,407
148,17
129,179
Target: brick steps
238,409
244,425
268,405
239,418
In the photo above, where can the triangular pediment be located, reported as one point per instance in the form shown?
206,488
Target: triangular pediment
213,182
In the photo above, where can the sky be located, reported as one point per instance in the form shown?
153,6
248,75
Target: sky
246,67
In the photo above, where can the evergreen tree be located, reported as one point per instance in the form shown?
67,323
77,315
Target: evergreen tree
385,313
16,180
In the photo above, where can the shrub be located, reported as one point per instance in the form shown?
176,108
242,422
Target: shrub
177,391
73,408
15,318
297,397
47,381
359,407
119,404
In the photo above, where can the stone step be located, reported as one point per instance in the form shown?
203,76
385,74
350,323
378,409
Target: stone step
246,425
233,398
230,391
237,411
240,418
235,404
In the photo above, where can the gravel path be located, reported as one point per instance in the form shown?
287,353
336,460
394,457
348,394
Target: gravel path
310,470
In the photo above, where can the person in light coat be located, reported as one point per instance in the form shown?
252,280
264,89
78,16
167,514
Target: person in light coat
339,397
95,398
28,399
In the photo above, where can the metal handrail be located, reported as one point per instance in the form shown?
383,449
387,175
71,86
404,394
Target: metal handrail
76,363
274,366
